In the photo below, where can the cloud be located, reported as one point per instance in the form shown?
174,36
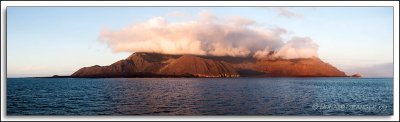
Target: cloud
208,35
284,12
298,47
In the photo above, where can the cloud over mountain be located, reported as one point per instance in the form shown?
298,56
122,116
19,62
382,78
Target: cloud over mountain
208,35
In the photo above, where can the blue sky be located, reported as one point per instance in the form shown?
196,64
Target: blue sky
44,41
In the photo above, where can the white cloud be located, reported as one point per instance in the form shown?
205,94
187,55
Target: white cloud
209,35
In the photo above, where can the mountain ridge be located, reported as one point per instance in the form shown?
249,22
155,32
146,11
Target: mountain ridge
142,64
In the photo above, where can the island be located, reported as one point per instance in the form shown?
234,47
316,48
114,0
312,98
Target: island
141,64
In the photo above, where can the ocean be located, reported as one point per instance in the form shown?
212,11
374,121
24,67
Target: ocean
200,96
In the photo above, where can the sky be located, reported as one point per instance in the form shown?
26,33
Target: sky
46,41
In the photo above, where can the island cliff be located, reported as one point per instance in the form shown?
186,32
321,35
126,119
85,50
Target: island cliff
165,65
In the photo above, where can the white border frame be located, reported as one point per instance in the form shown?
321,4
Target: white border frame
395,4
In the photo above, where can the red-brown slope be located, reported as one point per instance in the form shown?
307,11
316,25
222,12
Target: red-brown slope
149,64
136,64
311,67
194,65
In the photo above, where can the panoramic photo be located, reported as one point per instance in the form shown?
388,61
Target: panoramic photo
305,61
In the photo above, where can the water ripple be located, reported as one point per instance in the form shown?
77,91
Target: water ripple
200,96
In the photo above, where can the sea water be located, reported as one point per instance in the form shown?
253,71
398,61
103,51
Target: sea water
199,96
